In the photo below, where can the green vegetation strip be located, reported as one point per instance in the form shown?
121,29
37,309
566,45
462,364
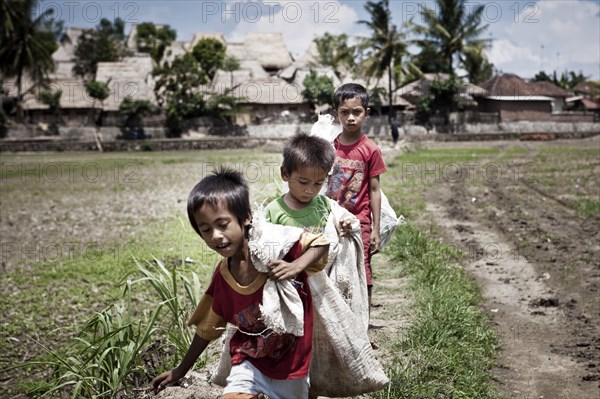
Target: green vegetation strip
449,349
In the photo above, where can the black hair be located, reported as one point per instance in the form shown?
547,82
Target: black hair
225,185
304,150
348,91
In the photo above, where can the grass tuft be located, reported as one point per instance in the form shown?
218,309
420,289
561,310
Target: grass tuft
449,350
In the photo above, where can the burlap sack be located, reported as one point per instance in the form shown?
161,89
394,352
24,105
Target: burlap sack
343,362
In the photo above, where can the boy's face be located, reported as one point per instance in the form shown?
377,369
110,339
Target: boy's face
220,229
351,114
305,183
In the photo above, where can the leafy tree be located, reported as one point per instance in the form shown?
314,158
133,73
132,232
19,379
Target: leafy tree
335,52
223,106
209,53
103,44
27,43
230,64
52,100
453,33
179,83
317,89
385,48
98,91
134,112
446,95
443,97
154,39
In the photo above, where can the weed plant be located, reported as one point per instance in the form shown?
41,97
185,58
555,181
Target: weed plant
113,355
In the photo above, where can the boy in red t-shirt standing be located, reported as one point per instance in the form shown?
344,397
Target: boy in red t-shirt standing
354,182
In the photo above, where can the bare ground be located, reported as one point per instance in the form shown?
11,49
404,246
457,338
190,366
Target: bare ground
538,264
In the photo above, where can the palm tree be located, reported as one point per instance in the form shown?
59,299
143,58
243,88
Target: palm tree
385,48
453,33
334,51
27,43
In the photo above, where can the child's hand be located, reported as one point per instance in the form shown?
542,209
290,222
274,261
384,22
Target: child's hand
375,242
159,383
345,227
282,270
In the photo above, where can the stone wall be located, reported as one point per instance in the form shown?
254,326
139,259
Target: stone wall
109,133
378,126
27,138
133,145
284,130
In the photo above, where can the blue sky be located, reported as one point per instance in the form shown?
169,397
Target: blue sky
527,36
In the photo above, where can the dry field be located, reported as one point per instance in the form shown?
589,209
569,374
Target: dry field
525,215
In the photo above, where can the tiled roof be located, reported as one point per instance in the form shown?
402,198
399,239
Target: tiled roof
509,85
549,89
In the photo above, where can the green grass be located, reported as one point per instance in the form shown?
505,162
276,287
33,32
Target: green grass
586,207
450,347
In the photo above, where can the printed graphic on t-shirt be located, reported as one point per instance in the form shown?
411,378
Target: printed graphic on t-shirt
261,341
316,229
345,181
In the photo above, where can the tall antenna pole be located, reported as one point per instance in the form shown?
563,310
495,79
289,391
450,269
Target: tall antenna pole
542,58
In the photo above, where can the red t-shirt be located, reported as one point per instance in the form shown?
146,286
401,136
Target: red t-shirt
354,165
278,356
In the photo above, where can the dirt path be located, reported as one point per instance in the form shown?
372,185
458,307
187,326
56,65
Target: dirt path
537,264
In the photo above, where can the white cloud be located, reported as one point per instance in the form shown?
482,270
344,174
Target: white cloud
299,21
569,32
513,58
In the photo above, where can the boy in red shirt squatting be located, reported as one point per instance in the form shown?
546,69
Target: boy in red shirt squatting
263,361
354,181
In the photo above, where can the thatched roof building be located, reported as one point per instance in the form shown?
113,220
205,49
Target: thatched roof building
269,49
67,45
130,77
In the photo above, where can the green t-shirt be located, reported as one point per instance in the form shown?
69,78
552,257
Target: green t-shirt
312,218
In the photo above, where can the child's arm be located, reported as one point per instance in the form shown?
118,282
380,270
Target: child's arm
197,346
282,270
375,202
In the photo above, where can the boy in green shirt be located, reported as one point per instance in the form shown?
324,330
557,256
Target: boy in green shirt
307,161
